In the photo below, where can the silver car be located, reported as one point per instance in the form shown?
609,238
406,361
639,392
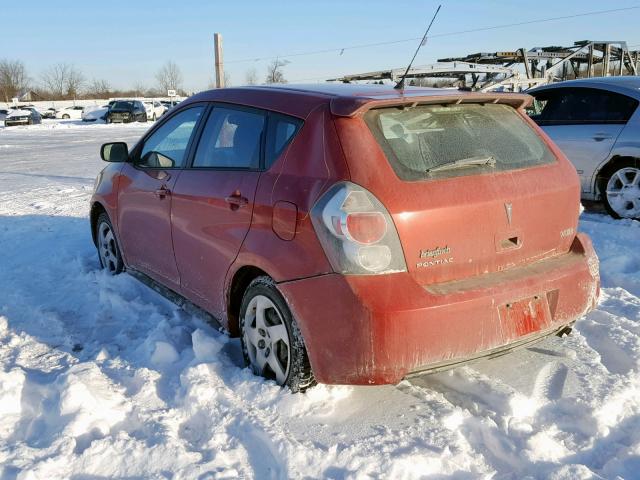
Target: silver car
596,123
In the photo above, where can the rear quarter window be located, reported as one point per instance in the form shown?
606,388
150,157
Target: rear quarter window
426,137
280,132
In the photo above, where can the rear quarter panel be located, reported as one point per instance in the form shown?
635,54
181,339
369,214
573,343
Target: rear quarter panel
307,168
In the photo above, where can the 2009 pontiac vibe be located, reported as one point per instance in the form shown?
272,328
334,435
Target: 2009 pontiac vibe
353,234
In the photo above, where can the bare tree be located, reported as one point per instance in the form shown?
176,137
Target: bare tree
251,76
75,81
53,80
99,88
169,77
13,79
227,79
63,80
274,71
140,88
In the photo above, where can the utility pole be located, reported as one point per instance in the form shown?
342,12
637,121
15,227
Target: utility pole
217,42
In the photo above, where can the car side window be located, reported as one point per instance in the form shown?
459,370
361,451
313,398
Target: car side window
231,138
574,106
167,146
280,132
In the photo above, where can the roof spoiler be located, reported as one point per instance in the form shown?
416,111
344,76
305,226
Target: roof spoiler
355,106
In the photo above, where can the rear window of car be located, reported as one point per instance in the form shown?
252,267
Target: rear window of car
436,141
123,105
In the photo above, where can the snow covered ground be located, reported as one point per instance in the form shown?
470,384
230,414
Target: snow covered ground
101,377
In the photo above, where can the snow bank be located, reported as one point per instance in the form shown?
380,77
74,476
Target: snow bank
11,385
100,377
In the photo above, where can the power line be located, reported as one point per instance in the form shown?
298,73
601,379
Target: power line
341,50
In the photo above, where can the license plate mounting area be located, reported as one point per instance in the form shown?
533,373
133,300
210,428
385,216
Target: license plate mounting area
526,316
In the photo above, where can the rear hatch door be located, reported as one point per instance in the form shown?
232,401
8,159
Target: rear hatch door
472,188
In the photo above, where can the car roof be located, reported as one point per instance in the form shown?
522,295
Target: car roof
627,85
344,99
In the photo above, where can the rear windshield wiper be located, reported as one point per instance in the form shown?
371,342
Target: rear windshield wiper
464,162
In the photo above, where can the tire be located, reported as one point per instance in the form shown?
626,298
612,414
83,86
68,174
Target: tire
65,117
273,347
620,190
107,246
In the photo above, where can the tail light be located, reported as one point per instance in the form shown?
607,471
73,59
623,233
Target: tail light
356,231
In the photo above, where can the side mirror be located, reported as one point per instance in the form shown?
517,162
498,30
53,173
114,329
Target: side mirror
114,152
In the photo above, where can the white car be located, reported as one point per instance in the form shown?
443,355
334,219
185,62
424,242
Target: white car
94,113
596,123
70,112
154,109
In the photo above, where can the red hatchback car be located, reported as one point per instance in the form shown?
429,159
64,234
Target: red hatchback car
353,234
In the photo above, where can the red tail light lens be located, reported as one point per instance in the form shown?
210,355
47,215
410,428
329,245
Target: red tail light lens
366,227
357,232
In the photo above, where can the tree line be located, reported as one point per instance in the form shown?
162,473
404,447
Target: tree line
64,81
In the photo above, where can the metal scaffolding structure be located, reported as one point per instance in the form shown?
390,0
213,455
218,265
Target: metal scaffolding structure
521,69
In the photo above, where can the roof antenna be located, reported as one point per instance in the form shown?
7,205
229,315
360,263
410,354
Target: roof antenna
400,84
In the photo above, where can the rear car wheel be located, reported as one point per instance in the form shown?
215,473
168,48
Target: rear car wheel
272,344
66,117
621,191
107,245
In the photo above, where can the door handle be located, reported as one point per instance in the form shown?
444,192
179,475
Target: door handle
162,192
236,200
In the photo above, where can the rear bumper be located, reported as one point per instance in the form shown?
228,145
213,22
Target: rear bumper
379,329
13,123
119,119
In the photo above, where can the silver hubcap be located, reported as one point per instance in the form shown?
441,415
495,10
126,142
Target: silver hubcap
623,192
107,247
267,340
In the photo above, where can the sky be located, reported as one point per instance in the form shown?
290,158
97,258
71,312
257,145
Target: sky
127,42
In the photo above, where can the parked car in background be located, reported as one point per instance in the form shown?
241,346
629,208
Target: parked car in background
94,113
49,113
125,111
353,234
22,116
154,109
169,104
596,123
66,113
